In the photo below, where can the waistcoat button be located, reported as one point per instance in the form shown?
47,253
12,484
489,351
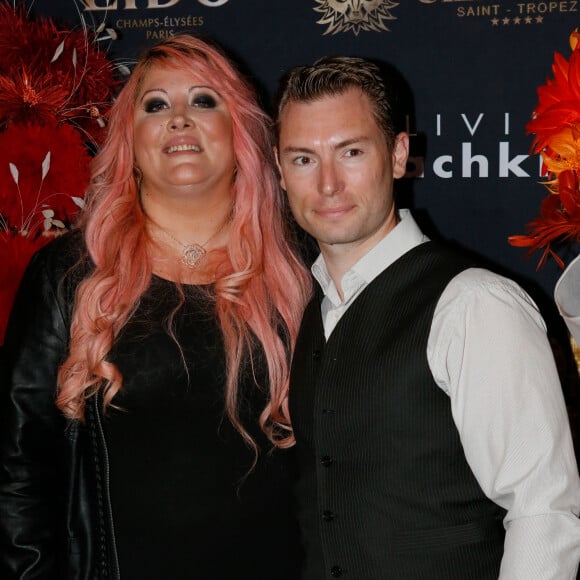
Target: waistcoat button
336,571
327,461
328,515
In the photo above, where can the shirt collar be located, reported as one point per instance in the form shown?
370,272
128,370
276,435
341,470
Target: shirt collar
402,238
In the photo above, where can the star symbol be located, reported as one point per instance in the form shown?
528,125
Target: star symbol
494,21
528,19
505,21
539,19
517,20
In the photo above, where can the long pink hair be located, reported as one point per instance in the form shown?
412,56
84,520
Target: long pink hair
263,287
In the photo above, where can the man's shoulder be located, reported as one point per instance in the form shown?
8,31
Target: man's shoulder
471,278
483,288
444,251
435,256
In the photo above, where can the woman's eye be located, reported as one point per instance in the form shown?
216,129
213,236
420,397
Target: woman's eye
204,101
155,105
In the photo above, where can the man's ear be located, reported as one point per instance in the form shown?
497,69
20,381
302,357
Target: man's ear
400,155
276,156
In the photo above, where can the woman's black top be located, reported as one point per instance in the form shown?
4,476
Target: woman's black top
187,503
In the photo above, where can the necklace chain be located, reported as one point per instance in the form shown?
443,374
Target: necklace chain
193,254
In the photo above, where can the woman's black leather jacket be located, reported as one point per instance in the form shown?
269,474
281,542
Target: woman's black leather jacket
55,514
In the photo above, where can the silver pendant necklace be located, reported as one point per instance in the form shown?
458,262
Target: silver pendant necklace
193,254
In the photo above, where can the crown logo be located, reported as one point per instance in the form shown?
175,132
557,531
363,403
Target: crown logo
355,15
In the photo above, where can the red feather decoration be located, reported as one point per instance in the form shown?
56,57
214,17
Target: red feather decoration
42,167
56,88
45,68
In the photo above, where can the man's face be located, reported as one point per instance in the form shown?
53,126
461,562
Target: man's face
338,171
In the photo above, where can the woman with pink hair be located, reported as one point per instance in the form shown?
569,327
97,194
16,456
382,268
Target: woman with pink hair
144,426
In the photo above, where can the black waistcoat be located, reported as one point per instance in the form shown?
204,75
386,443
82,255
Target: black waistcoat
385,491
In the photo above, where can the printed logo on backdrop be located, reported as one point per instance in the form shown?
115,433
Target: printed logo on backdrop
91,5
355,15
508,14
472,146
147,19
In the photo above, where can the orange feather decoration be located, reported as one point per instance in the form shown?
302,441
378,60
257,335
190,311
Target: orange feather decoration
556,126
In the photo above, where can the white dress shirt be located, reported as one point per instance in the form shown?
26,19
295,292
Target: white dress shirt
488,350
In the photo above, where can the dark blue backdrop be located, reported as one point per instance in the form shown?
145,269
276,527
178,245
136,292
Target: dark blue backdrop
473,67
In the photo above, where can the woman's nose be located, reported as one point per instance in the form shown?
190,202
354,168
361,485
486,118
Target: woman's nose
180,119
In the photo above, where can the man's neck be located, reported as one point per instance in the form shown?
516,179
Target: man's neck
340,258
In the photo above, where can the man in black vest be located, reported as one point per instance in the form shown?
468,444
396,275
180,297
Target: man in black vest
431,429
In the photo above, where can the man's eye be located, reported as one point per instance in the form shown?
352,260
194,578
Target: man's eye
302,160
204,101
353,152
155,105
